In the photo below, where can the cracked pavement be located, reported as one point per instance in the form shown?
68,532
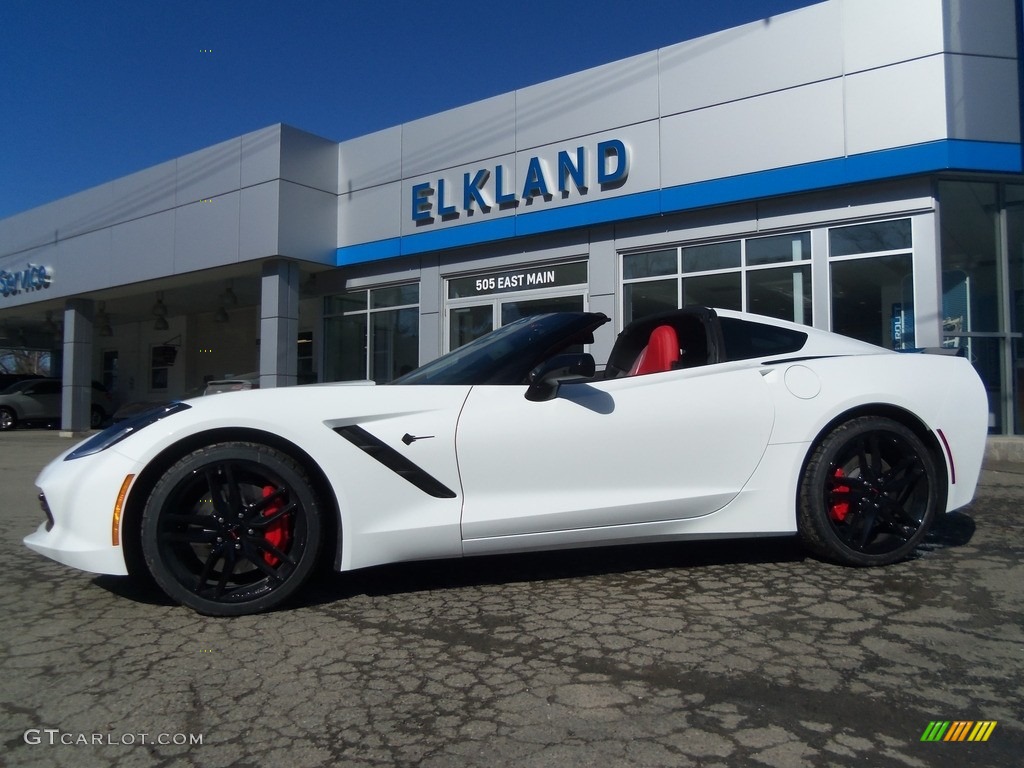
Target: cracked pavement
697,654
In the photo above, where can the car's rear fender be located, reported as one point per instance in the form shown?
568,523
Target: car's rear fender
941,399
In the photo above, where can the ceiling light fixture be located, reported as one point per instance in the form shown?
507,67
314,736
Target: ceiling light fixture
160,313
228,299
102,320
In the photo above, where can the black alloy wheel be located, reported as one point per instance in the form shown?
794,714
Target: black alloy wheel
869,493
232,529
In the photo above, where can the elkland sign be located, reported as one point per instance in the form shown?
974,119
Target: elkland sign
567,173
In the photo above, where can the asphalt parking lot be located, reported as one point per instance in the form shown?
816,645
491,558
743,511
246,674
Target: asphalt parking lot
699,654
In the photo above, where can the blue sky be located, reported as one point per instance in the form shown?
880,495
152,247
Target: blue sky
91,90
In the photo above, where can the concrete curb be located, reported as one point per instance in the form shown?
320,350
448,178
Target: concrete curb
1005,449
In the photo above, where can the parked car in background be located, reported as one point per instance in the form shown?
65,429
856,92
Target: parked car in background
38,401
233,383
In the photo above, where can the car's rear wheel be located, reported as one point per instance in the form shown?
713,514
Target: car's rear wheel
869,493
232,529
8,419
96,417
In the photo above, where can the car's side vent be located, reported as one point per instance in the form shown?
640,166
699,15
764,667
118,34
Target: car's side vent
395,461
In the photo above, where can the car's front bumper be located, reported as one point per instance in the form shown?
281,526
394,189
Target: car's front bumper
82,495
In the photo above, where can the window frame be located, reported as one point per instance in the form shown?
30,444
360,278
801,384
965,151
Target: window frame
368,311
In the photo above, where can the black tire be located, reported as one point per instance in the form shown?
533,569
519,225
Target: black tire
96,417
8,419
869,493
232,529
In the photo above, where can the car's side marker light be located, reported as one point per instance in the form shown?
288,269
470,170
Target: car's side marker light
949,455
115,523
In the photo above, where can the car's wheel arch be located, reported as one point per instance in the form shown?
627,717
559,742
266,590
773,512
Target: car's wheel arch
900,415
155,469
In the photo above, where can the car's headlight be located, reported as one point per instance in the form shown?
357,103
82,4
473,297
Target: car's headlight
118,432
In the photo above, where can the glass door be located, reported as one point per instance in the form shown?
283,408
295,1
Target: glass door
468,323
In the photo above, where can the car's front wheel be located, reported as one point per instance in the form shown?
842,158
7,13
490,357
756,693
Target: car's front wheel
232,529
869,493
8,418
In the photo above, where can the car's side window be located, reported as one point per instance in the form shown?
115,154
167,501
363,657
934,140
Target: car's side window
43,388
745,339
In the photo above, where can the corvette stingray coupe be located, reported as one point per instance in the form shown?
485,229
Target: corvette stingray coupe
703,424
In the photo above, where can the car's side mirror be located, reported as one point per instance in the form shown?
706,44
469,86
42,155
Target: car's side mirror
545,379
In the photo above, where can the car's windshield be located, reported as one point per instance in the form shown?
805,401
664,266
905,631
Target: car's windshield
508,354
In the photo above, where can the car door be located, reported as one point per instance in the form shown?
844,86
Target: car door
42,400
632,450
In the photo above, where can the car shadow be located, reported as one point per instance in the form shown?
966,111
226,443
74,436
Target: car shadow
138,589
425,576
953,530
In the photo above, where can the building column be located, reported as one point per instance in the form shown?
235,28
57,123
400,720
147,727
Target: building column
279,324
76,394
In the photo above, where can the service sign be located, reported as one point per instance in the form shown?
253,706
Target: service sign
575,171
33,277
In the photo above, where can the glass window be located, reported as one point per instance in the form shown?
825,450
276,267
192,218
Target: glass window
514,310
870,238
649,264
701,258
784,293
47,387
872,300
970,253
394,296
352,301
345,348
371,333
110,370
723,291
396,343
1015,253
714,275
468,323
161,358
985,355
306,374
649,298
769,250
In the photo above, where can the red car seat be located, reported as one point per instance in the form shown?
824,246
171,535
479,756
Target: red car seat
660,354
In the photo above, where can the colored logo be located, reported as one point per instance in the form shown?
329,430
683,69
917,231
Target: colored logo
958,730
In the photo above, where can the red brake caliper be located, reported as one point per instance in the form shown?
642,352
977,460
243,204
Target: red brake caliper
839,509
278,533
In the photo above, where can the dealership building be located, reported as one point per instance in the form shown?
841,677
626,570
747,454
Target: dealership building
855,165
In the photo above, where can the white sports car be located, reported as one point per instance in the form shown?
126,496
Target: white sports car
703,424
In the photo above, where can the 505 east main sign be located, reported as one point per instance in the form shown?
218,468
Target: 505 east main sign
484,188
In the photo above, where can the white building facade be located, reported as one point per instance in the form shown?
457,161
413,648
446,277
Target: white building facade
855,165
